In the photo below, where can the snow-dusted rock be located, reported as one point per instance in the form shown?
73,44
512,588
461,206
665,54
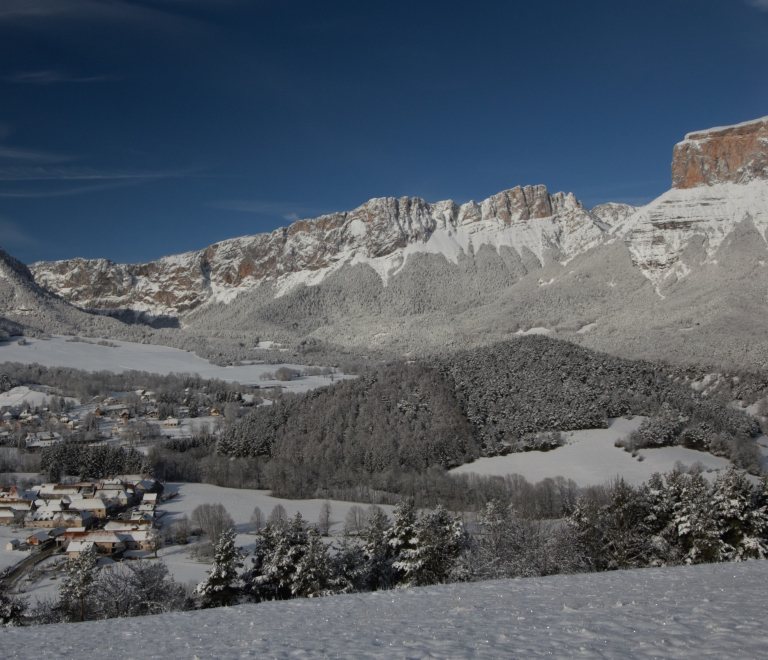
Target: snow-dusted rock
728,154
381,233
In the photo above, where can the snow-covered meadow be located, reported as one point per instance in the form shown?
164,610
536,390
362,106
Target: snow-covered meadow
56,351
240,504
715,610
590,458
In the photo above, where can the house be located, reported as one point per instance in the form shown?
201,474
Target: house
39,539
115,493
76,547
171,421
128,525
9,515
55,491
145,486
105,542
215,412
38,441
95,505
138,540
51,519
13,544
150,498
98,412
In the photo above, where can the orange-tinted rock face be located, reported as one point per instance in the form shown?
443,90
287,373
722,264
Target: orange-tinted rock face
733,154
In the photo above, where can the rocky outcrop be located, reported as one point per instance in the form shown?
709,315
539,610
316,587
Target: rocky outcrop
730,154
382,233
720,180
613,213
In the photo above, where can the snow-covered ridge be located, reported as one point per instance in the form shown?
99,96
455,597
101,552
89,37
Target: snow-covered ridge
382,233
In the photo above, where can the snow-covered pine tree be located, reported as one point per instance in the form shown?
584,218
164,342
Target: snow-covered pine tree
313,575
402,535
222,586
440,538
279,549
741,520
76,588
693,527
11,609
378,553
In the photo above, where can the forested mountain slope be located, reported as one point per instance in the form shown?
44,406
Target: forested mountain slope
486,401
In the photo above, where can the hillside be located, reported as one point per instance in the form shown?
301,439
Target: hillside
682,612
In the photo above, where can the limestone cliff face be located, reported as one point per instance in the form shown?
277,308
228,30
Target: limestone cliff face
720,180
731,154
382,233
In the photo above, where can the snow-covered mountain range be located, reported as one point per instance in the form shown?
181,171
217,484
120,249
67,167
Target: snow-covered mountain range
407,275
382,233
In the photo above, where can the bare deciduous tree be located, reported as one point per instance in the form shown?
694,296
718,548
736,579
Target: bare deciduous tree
356,520
278,515
324,521
257,518
212,520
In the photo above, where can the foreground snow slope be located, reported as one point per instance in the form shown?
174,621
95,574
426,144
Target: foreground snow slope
683,612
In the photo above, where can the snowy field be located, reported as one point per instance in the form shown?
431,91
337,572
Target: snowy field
57,352
12,557
590,458
675,613
18,396
239,503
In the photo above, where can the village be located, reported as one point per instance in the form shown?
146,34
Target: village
37,420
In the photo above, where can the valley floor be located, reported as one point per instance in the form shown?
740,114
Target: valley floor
56,351
683,612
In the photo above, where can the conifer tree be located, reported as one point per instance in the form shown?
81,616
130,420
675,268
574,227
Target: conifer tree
402,536
378,553
741,520
76,588
222,586
11,609
439,540
313,576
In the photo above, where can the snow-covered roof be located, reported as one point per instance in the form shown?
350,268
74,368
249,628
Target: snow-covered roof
80,546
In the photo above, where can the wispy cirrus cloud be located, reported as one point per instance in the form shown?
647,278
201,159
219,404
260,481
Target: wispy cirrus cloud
59,183
11,234
762,5
50,77
286,210
31,155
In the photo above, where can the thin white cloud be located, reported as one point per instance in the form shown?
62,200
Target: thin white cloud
286,210
762,5
10,234
31,155
49,77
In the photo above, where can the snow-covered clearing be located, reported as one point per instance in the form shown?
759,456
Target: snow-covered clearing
12,557
18,396
683,612
240,504
57,352
590,458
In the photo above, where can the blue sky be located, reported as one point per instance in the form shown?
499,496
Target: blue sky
134,129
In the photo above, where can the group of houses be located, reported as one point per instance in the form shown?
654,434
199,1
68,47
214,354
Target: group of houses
113,516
